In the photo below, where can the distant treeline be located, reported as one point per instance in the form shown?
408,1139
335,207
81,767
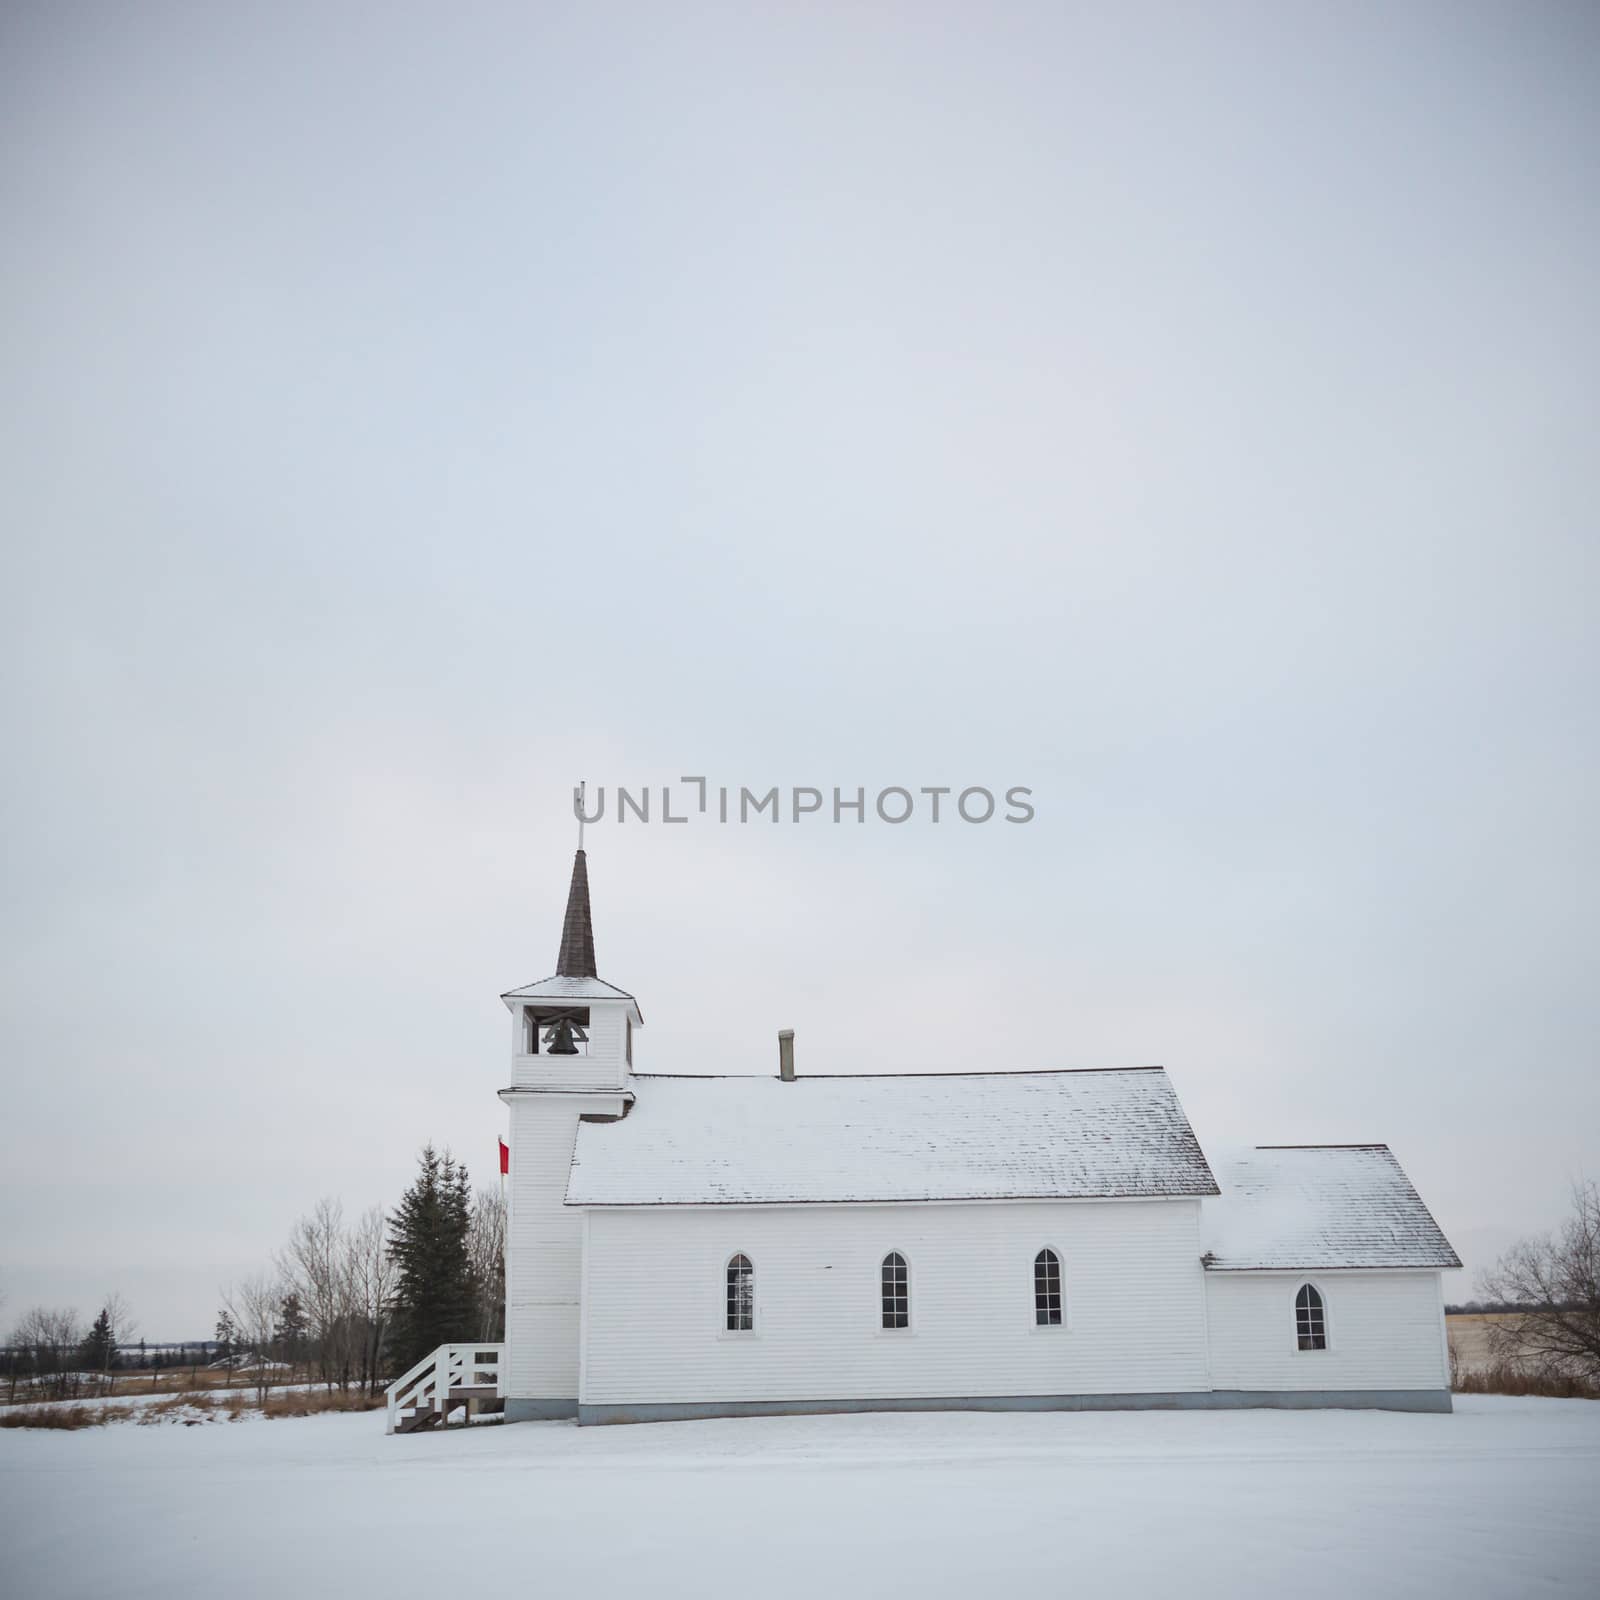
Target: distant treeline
141,1356
1499,1308
346,1306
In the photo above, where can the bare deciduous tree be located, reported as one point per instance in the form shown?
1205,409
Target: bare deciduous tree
124,1327
1554,1284
253,1305
340,1280
315,1265
370,1271
51,1338
486,1255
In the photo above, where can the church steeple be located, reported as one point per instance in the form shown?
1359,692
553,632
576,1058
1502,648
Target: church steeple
576,959
575,1014
571,1059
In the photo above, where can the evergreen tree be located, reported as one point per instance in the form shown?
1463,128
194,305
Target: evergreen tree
226,1335
292,1328
96,1352
434,1299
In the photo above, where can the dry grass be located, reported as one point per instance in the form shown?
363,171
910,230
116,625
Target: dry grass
187,1408
312,1402
177,1380
191,1409
165,1380
1503,1378
1476,1369
65,1417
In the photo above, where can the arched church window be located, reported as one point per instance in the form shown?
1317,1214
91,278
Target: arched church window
1047,1289
896,1291
741,1295
1310,1321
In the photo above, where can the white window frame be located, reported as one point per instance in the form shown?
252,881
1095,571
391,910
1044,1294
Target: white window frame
754,1330
911,1296
1294,1317
1066,1304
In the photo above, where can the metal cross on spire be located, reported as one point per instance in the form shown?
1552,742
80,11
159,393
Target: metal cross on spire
576,958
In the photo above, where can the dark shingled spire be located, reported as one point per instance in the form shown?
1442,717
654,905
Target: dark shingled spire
577,931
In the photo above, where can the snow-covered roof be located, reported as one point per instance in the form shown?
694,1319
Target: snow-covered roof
1311,1206
568,989
953,1136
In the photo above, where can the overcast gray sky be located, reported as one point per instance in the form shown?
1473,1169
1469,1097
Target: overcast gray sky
1186,412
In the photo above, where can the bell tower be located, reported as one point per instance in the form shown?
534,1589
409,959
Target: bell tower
573,1030
571,1056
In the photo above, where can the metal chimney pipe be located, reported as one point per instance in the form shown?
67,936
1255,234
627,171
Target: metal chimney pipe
786,1054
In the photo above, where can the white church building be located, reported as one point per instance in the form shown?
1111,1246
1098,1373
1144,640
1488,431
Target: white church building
685,1247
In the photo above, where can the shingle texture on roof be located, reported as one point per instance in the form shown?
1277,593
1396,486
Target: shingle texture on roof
1325,1206
969,1136
575,958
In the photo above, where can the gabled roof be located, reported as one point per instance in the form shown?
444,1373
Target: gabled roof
894,1137
1311,1206
560,988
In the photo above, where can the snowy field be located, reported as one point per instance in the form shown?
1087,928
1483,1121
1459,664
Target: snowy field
1501,1499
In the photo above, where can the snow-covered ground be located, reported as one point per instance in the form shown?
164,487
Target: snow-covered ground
1498,1500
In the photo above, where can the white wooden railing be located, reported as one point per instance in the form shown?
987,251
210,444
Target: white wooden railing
448,1376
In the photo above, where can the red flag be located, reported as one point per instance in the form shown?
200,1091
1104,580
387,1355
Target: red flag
505,1156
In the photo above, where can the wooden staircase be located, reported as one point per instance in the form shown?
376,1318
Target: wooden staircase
451,1377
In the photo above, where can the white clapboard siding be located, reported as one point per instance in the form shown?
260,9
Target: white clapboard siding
544,1244
655,1325
1385,1331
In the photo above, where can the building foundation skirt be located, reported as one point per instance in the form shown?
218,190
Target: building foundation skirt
1182,1400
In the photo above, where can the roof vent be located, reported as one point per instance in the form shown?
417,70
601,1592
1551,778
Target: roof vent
786,1054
